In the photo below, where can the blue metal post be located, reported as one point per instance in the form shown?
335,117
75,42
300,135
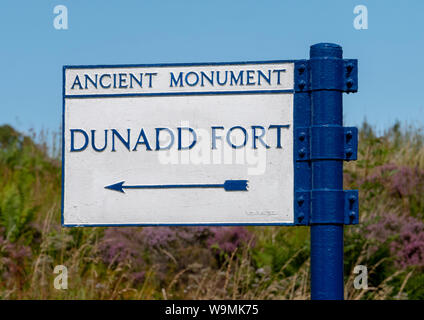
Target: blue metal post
327,174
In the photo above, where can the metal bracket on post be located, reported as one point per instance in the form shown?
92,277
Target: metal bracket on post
345,78
339,206
336,74
326,143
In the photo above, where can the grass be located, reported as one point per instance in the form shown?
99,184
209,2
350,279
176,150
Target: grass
208,263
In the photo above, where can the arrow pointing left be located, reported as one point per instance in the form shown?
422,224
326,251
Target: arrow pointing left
228,185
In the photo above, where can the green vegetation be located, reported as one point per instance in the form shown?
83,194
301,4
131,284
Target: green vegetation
209,263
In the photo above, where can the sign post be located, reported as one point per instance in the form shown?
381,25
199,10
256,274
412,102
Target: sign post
330,77
240,143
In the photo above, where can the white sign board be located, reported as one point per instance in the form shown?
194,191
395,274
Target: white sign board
178,144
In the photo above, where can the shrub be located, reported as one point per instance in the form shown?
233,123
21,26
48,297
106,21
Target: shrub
405,236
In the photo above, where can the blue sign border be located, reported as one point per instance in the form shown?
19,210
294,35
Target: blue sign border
301,118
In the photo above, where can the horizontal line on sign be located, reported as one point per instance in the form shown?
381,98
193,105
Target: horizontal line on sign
287,224
119,95
178,64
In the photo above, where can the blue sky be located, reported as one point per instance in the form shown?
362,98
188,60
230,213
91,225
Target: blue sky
32,51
